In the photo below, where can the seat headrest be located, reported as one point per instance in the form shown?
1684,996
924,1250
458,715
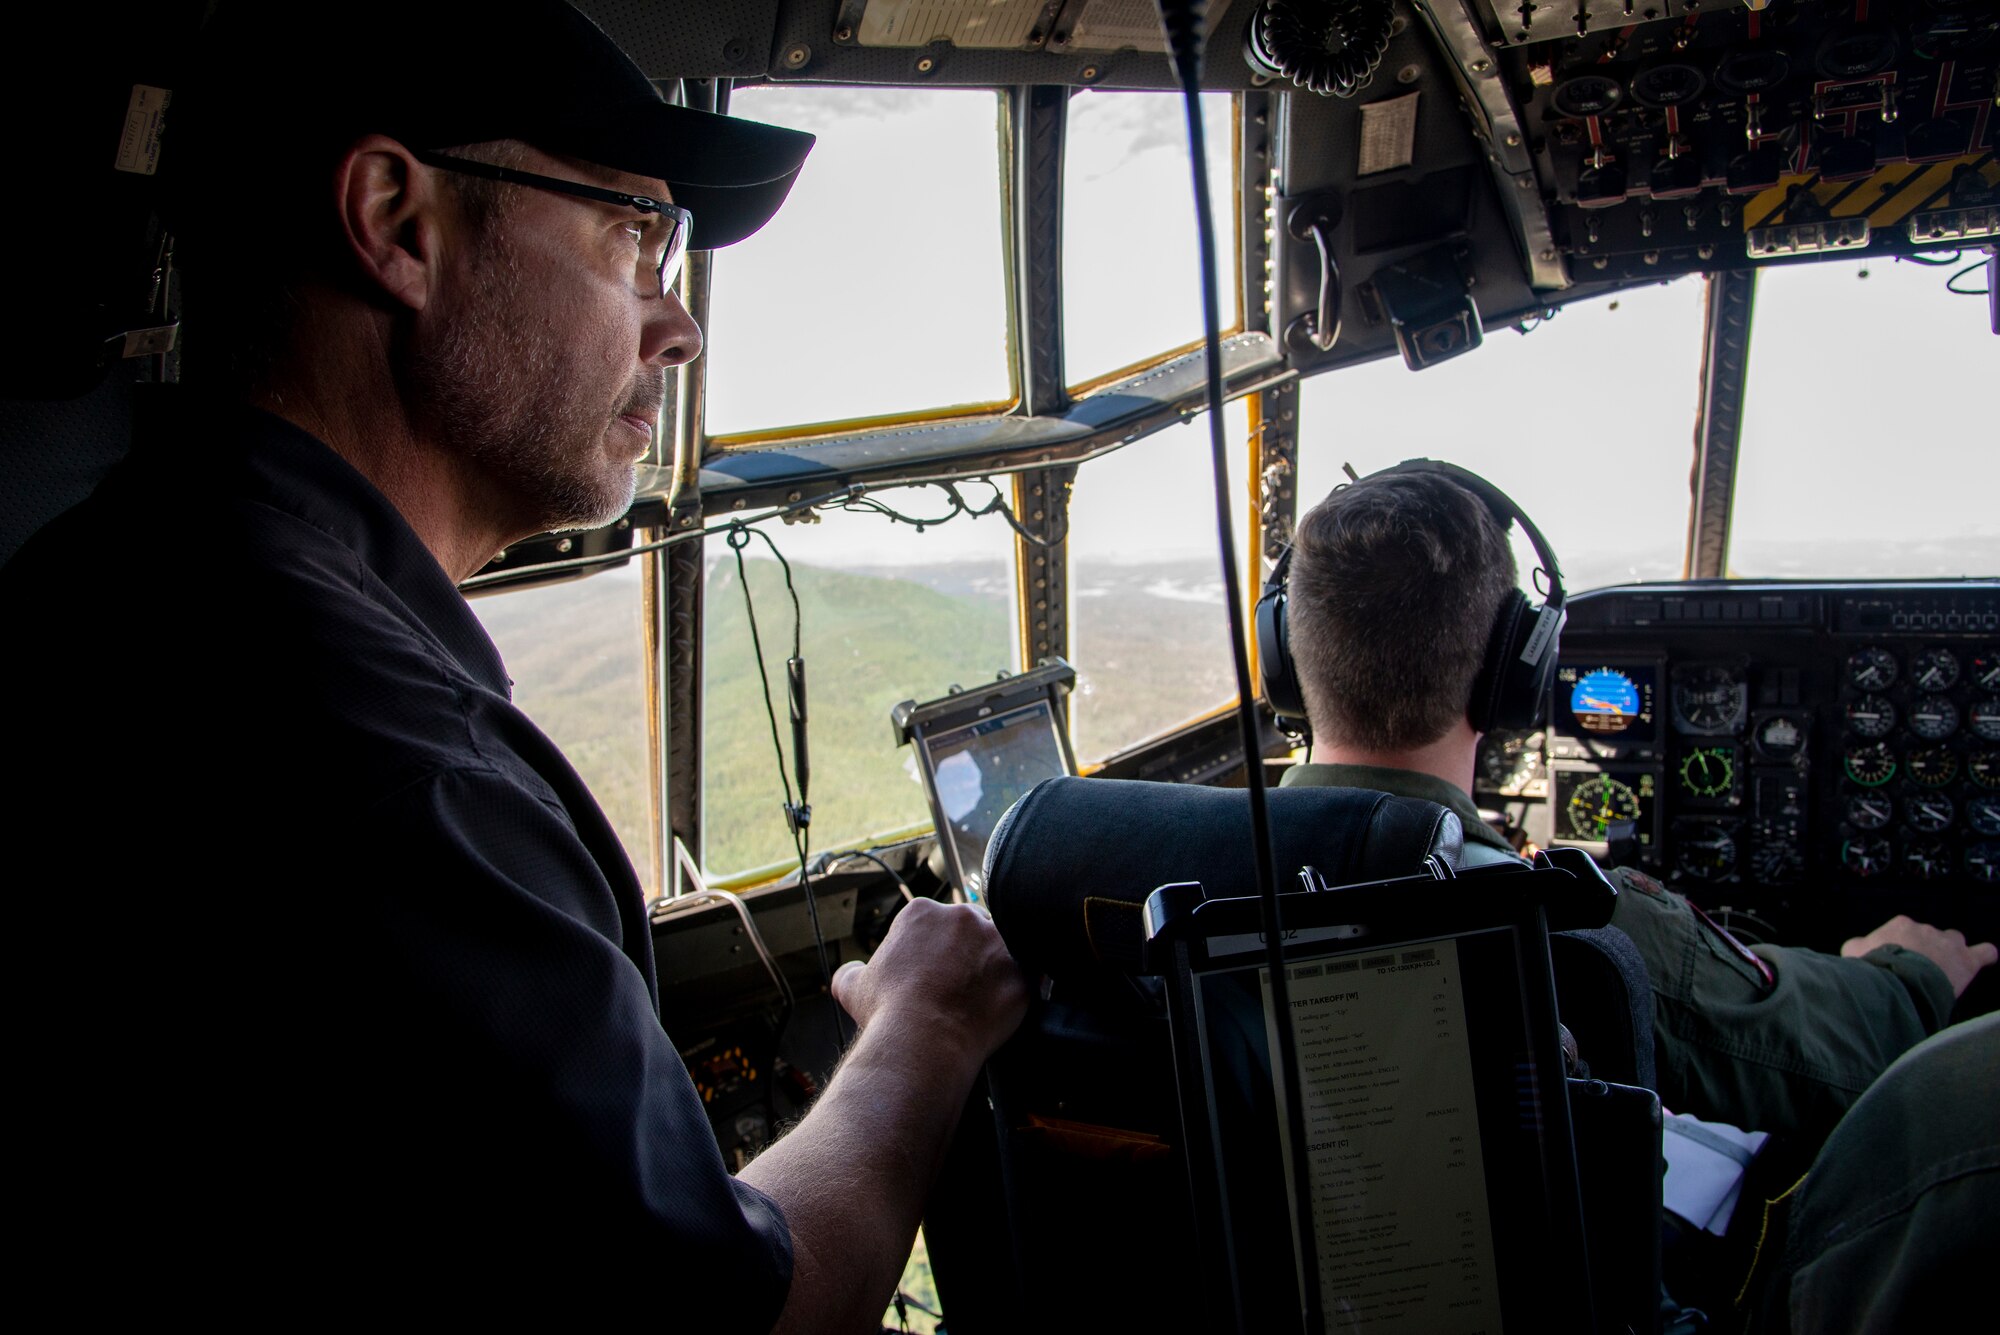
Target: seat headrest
1071,864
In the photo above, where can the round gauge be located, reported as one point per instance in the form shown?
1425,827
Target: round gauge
1704,851
1934,669
1927,859
1509,761
1986,670
1871,716
1870,811
1931,766
1709,771
1982,863
1776,861
1865,854
1599,803
1780,737
1933,718
1928,812
1983,815
1985,718
1710,701
1604,701
1871,669
1872,765
1983,768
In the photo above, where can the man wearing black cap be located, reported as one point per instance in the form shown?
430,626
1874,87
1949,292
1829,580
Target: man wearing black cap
339,975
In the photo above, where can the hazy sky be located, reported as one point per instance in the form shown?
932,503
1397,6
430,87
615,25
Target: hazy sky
1868,430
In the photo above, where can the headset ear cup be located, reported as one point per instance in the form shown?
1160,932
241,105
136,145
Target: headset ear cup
1487,708
1274,656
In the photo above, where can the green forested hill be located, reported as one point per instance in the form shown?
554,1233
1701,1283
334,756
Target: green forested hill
1148,640
870,640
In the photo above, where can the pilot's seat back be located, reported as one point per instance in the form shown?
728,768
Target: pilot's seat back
1078,1171
1071,1161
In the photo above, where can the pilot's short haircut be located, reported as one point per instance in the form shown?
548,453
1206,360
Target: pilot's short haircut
1395,584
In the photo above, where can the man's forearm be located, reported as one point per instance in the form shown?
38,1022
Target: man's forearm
853,1176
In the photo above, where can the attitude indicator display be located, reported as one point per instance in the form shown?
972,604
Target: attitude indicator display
1606,710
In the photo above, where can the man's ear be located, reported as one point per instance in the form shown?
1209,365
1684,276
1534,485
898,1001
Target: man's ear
390,212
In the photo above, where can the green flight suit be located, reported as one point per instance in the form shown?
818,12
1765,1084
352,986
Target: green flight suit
1889,1230
1787,1053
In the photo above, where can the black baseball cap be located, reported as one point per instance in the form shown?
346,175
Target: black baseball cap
272,82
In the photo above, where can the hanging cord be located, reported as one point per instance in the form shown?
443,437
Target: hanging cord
1185,22
1951,283
798,814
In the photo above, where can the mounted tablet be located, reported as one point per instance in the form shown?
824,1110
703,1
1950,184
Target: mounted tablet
1439,1146
979,751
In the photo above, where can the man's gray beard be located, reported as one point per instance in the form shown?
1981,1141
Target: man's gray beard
489,387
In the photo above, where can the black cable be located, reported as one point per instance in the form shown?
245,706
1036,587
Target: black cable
797,815
833,860
1185,22
855,498
1951,283
1936,261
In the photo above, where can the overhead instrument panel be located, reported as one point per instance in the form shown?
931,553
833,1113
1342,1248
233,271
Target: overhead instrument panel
1818,756
1679,135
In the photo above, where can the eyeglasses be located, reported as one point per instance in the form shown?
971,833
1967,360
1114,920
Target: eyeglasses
663,267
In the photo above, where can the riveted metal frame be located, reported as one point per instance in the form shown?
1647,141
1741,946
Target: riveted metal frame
1041,572
1034,156
680,571
1725,366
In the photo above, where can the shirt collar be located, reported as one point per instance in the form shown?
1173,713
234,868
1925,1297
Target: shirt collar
1400,783
225,446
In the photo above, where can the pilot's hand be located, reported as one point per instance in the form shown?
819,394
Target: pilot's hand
943,970
1946,949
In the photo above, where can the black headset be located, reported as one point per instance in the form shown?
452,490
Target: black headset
1520,663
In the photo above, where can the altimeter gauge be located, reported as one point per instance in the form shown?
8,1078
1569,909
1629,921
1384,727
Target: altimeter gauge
1984,718
1710,701
1986,670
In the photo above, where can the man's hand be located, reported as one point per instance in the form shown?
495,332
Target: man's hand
1947,950
943,969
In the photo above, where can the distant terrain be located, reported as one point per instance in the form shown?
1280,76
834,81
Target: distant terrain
1148,639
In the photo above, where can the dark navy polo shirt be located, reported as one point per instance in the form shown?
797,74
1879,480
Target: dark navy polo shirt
323,954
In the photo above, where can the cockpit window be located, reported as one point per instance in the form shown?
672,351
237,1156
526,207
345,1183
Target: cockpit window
1148,629
577,655
1130,258
881,286
1587,422
1868,431
889,614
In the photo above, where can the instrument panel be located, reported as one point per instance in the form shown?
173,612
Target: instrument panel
1809,758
